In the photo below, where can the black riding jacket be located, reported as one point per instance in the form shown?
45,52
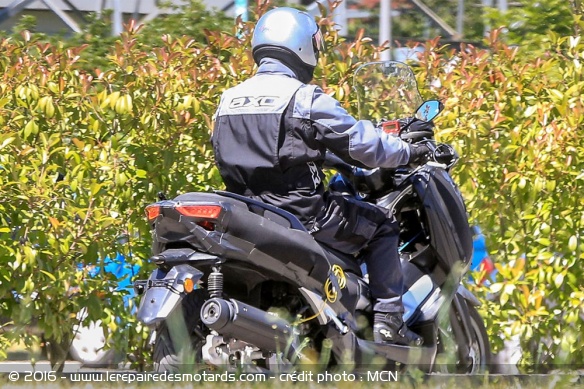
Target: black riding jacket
272,131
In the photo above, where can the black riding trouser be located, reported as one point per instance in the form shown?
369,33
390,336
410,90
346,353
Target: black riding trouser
350,226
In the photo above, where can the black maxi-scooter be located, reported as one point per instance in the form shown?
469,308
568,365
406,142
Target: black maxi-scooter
251,289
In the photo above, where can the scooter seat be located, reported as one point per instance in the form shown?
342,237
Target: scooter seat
286,219
268,211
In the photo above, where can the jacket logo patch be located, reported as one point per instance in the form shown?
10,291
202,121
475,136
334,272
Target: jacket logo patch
315,174
251,101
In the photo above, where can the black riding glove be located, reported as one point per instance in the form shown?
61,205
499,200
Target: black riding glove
419,153
416,130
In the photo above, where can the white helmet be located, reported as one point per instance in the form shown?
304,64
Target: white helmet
289,35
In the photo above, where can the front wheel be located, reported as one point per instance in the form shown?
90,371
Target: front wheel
471,357
179,338
480,348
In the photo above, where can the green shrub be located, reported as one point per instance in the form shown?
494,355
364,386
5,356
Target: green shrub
109,135
516,119
81,154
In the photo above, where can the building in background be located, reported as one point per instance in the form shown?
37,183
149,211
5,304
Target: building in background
66,16
58,16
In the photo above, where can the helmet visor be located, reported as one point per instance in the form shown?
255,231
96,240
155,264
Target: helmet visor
317,42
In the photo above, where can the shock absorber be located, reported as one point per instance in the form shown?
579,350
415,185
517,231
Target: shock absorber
215,283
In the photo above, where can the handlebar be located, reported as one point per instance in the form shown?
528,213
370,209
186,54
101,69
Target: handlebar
377,181
441,153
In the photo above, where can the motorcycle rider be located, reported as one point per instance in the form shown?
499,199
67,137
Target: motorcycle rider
270,140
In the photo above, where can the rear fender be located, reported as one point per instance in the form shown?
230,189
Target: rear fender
163,292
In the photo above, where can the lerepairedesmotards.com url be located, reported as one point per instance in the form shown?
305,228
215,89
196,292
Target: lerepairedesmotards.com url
130,377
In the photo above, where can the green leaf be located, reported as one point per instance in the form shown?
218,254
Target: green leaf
559,280
556,93
529,111
496,287
7,141
51,276
30,128
544,242
573,243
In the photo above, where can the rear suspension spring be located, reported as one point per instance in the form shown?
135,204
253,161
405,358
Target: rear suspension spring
215,283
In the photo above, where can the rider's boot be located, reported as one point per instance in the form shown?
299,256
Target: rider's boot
389,328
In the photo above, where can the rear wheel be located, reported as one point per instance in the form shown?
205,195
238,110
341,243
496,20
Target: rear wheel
179,338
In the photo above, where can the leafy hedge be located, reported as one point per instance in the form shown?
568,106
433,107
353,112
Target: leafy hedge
109,136
82,152
517,120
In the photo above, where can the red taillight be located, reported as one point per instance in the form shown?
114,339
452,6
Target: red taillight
202,211
152,212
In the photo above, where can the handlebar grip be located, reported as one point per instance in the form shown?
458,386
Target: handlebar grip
445,154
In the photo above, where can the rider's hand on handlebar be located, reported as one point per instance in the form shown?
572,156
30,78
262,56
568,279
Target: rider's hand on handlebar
417,130
419,153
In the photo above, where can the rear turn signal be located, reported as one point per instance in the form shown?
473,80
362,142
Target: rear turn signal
202,211
152,212
189,285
